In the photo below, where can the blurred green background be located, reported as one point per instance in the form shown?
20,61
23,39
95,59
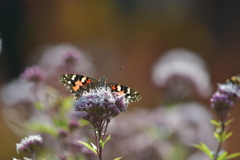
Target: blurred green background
121,33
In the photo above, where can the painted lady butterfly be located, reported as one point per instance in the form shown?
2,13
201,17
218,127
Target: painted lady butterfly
79,83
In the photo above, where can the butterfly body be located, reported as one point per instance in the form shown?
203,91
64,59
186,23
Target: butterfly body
77,84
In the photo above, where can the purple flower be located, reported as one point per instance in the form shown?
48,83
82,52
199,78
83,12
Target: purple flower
181,73
74,146
73,125
9,90
88,153
71,57
62,157
29,144
65,58
62,133
101,103
33,74
224,99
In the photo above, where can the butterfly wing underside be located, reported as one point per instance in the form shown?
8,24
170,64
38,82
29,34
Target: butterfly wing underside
77,84
130,94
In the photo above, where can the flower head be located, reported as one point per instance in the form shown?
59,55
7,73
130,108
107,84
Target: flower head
101,103
181,72
29,144
62,133
74,146
67,59
225,98
71,57
62,157
9,90
73,125
33,74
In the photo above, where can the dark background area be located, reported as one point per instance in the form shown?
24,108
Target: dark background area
123,33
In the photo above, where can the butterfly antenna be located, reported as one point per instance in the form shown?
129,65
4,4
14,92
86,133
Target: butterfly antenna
96,67
121,68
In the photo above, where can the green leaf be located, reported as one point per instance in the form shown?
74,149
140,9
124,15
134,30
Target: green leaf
101,143
215,123
72,157
39,105
228,122
217,136
118,158
66,104
60,122
89,146
39,127
107,139
234,155
93,145
45,157
218,130
204,148
226,136
84,122
223,156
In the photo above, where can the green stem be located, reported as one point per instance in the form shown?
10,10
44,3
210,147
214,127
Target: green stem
220,141
33,156
99,144
105,129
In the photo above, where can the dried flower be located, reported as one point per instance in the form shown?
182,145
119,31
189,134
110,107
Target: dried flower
224,99
29,144
33,74
101,103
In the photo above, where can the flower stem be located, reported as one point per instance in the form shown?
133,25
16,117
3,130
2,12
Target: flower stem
100,137
105,130
221,140
33,156
100,152
99,144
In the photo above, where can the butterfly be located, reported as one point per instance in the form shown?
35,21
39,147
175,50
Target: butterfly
77,84
234,80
